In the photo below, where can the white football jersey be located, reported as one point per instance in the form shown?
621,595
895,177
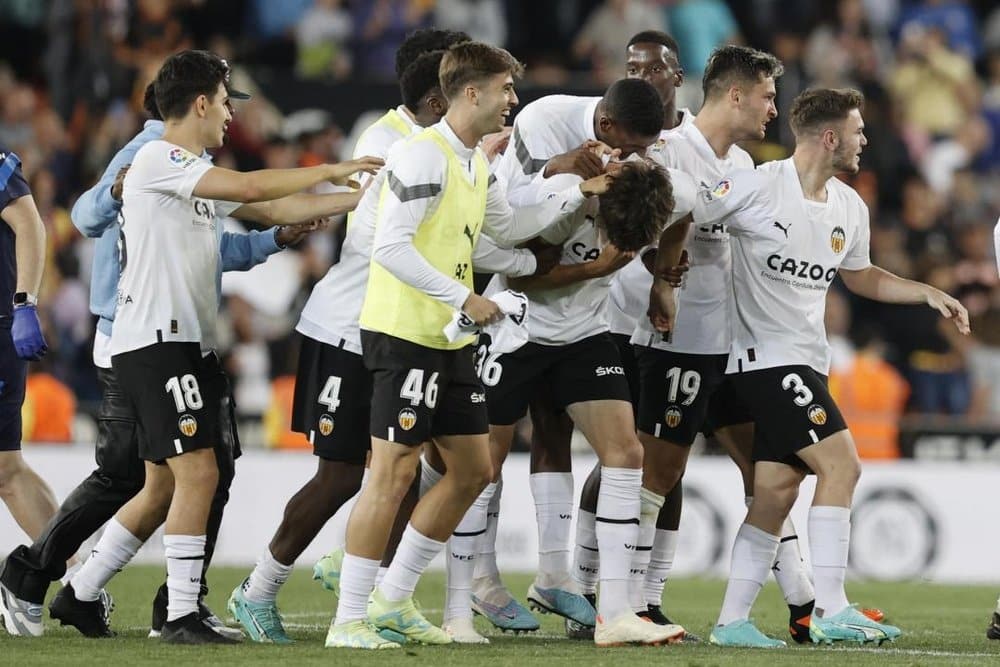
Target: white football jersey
629,296
703,303
786,252
545,128
169,252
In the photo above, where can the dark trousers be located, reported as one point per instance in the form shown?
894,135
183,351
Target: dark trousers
120,474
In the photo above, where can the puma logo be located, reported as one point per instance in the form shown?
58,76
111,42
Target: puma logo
784,229
468,233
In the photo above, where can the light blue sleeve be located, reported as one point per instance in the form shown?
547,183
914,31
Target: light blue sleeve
242,252
96,209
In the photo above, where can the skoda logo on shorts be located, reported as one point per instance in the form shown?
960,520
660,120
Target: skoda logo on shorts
673,416
326,424
407,419
893,535
817,414
188,425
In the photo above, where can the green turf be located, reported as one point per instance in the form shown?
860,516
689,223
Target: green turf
941,625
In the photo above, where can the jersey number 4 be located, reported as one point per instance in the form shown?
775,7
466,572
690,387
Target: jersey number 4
187,395
330,396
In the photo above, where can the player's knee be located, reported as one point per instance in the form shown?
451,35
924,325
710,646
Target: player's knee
775,497
625,451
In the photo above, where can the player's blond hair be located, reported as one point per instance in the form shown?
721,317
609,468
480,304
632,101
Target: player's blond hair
467,62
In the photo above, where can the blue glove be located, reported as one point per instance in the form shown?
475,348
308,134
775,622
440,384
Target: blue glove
27,334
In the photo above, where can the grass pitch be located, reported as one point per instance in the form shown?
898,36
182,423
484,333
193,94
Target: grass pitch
941,625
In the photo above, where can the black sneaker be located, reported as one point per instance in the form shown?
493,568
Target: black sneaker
798,621
655,615
993,632
192,630
90,618
204,613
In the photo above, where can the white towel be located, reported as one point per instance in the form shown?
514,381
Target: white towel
508,334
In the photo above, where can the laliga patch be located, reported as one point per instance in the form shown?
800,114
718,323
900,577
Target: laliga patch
326,424
188,425
838,239
722,189
817,415
673,416
181,157
407,419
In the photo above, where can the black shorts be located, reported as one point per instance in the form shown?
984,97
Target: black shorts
627,355
177,397
332,405
420,392
726,408
587,370
13,373
792,409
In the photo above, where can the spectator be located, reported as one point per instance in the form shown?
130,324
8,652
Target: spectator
608,28
844,50
483,20
381,26
699,27
321,38
49,408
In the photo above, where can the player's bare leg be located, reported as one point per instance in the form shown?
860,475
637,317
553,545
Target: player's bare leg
27,496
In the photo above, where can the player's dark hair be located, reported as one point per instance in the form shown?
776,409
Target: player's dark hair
637,205
420,78
424,40
818,107
634,105
186,75
467,62
731,64
149,102
654,37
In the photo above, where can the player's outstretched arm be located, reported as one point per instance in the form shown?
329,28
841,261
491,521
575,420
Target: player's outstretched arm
880,285
662,301
610,260
299,208
267,184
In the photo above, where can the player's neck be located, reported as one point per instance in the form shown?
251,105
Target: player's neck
717,130
813,172
671,118
464,126
183,134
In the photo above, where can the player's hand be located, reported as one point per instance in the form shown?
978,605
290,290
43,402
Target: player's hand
950,308
546,258
585,161
597,185
674,275
26,332
341,172
610,260
289,235
496,143
481,310
119,184
662,306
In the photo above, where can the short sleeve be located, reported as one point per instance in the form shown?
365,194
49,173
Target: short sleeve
12,183
223,208
162,167
859,255
685,194
738,200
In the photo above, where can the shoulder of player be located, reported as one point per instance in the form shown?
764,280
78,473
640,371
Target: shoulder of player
415,164
377,141
160,154
551,108
850,195
685,189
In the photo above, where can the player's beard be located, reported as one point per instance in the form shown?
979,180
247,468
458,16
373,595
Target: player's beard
844,159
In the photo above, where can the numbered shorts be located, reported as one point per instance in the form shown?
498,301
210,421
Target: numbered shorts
332,404
420,392
682,394
587,370
176,395
13,372
792,409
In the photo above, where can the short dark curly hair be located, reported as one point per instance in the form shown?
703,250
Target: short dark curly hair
637,206
183,77
420,78
635,105
424,40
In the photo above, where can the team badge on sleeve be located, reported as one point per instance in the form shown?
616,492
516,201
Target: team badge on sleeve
817,415
326,425
673,416
407,419
181,157
188,425
722,189
838,239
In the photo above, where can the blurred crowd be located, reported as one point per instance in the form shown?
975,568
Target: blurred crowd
72,74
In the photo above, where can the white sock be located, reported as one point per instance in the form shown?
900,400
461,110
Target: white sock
753,554
70,572
112,552
380,575
357,579
649,509
486,559
414,554
266,579
553,494
339,538
617,530
428,476
185,558
586,558
829,542
997,608
789,570
661,561
462,557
